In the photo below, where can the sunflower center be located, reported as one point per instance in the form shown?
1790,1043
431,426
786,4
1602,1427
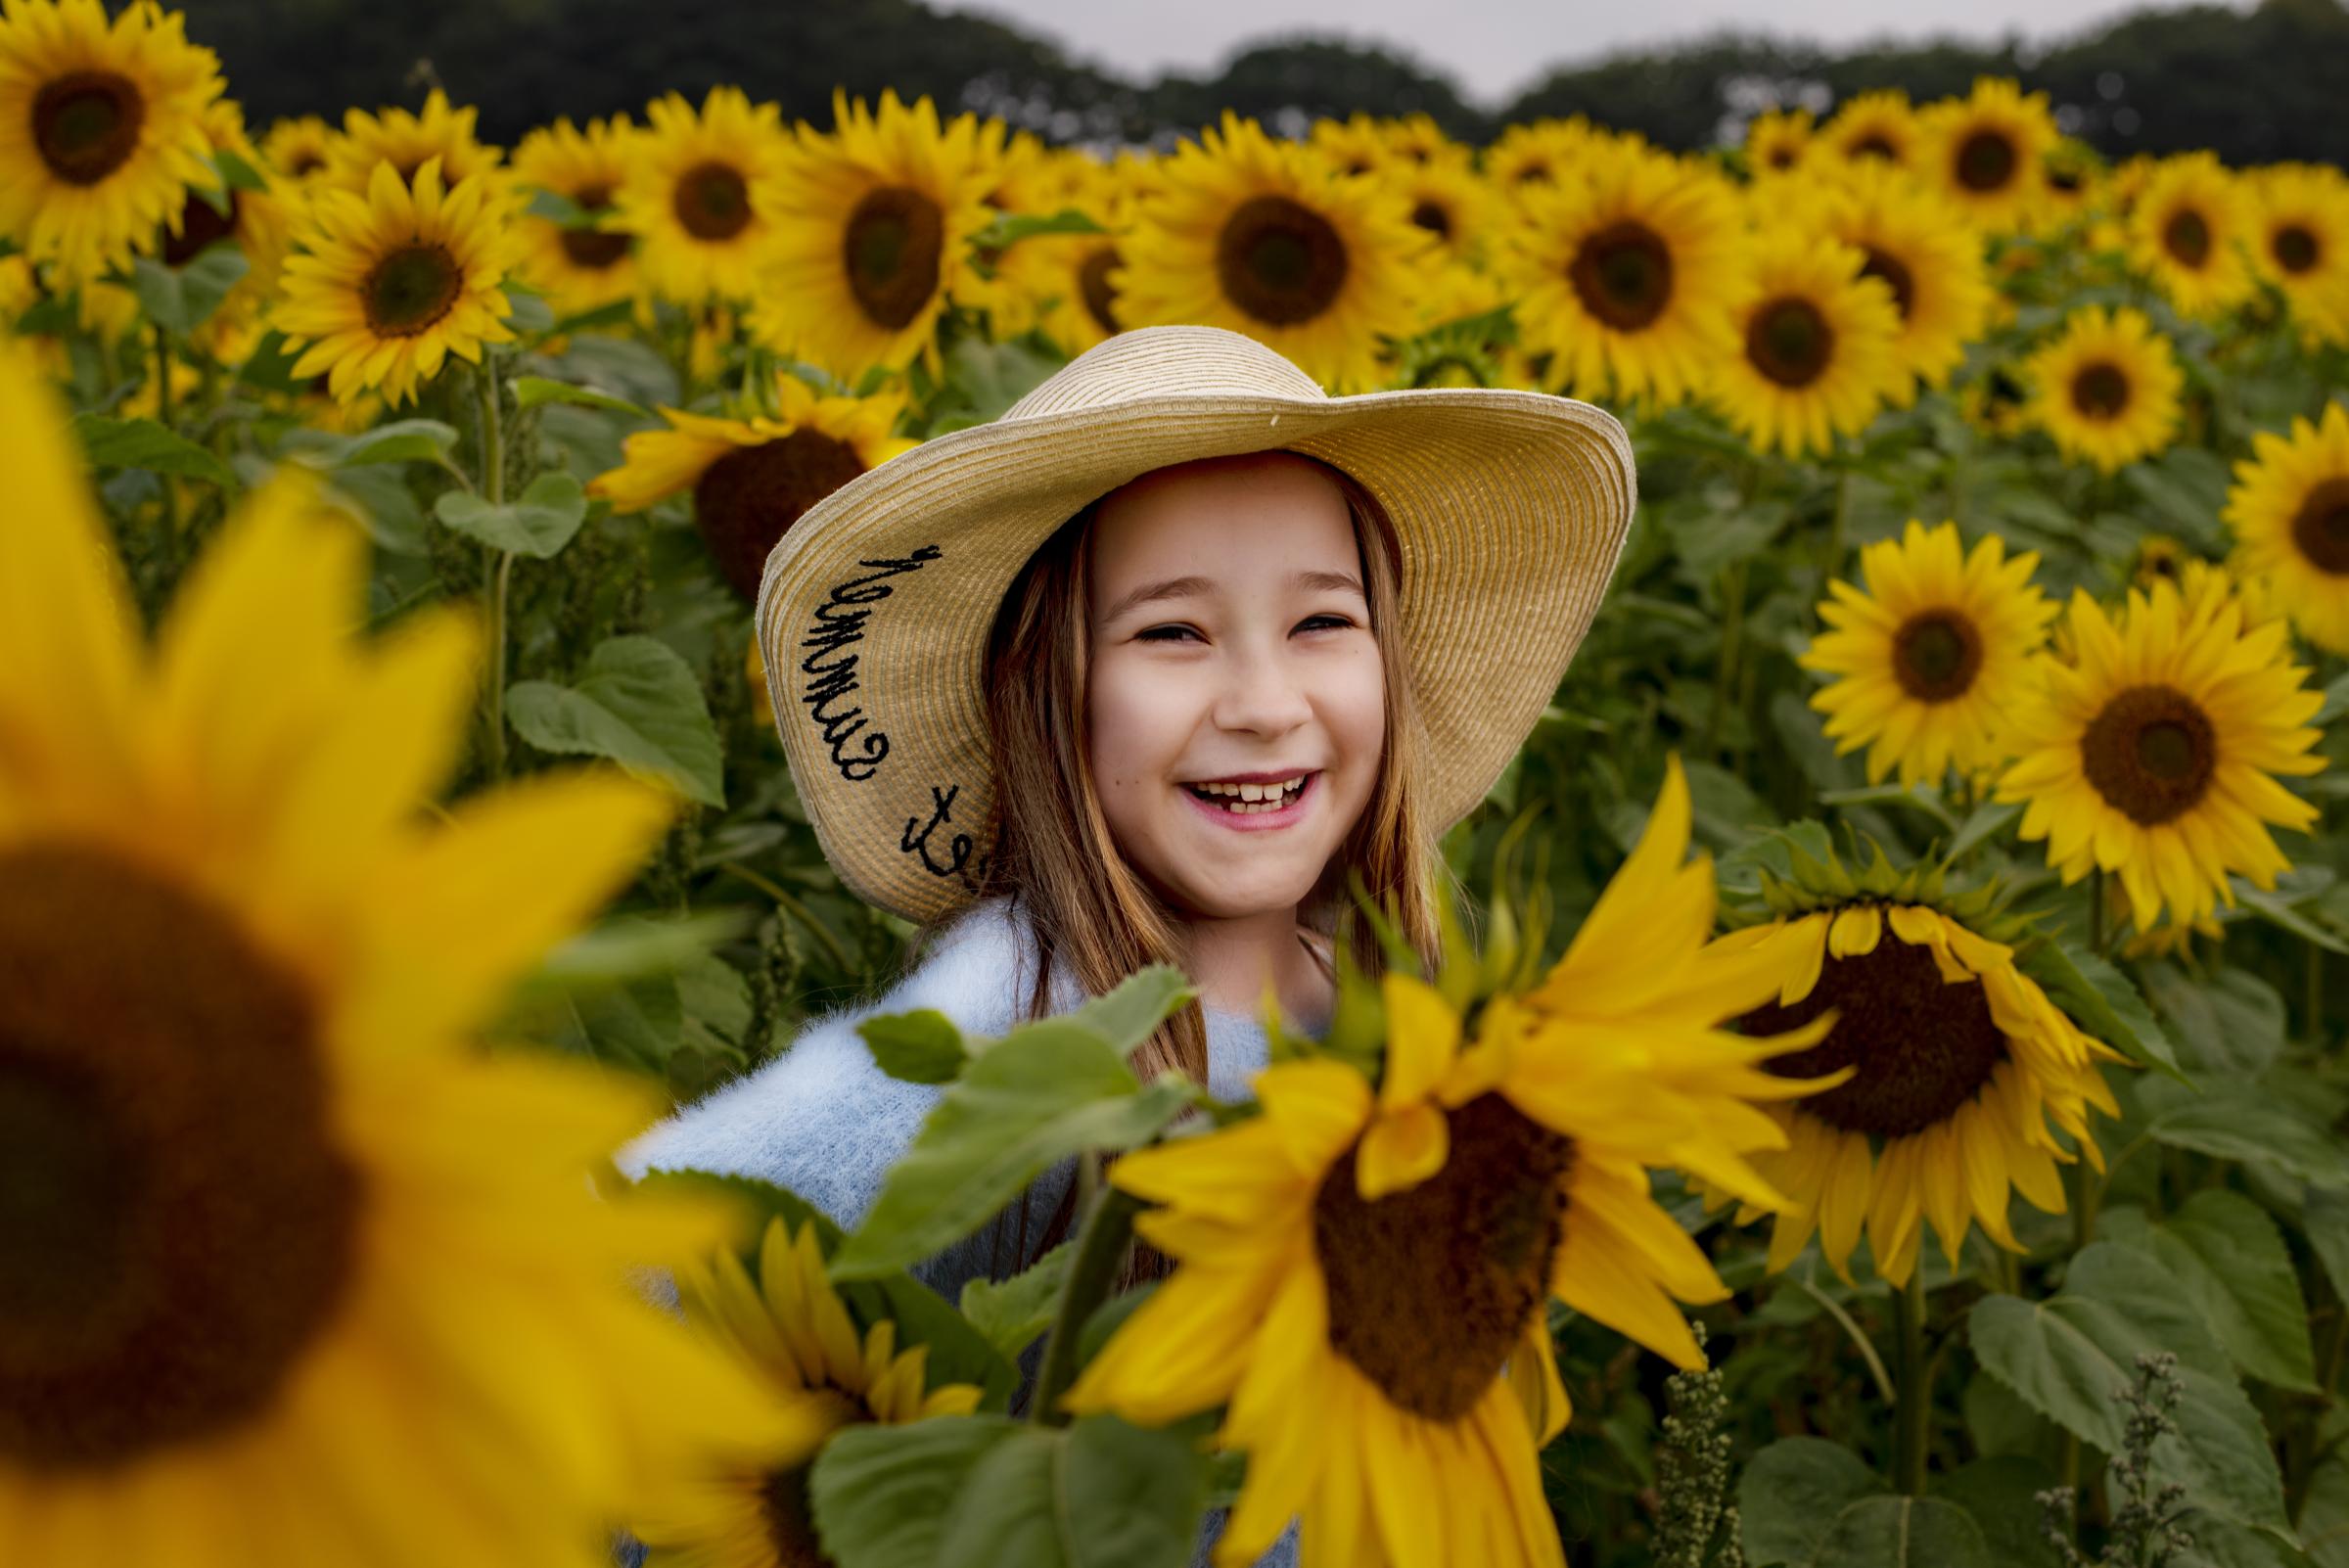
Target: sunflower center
1100,298
1281,261
1431,216
1789,341
1782,157
1986,161
2150,754
892,245
200,225
713,202
1623,274
1431,1289
1936,655
2295,248
1923,1046
1875,144
86,124
2186,237
593,249
1896,275
306,165
746,499
411,289
2320,527
2101,391
2066,180
175,1227
789,1522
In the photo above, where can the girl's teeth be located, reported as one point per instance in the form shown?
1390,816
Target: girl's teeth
1251,798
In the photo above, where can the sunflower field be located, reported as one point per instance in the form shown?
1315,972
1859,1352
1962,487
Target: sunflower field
1891,1111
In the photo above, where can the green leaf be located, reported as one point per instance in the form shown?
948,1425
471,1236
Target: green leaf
1135,1007
2001,1494
2324,1217
403,441
526,310
144,444
882,1495
539,524
1098,1493
2230,1026
1791,1493
531,390
179,299
922,1046
2336,702
2100,999
2227,1254
1904,1533
1985,823
1010,228
1043,1093
235,174
2241,1123
983,379
2285,915
639,704
1012,1314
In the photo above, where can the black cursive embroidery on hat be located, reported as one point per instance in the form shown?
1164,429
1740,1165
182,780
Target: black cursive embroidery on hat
915,840
839,623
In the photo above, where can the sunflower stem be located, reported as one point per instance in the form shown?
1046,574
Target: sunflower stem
1100,1249
497,576
1913,1402
2096,911
1732,629
162,417
1832,562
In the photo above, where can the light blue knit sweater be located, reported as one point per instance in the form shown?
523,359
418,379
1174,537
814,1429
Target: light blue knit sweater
823,1121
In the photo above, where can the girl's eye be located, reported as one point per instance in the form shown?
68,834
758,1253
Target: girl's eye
1172,632
1152,635
1339,622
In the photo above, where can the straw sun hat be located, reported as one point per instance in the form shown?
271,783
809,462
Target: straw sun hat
1510,508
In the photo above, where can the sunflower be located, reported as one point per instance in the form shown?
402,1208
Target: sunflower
2069,181
2186,233
2106,389
1930,260
1538,153
1987,154
1816,345
293,1271
384,290
1355,144
1361,1275
1959,1059
407,141
691,193
2289,511
754,478
872,227
1263,237
1929,654
795,1334
1451,202
1775,142
1624,277
2300,242
582,267
1418,139
101,129
260,223
1080,293
297,146
1015,284
2151,748
1877,126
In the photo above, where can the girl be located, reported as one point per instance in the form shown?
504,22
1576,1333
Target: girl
1141,672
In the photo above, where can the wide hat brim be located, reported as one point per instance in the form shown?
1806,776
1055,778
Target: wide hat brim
1511,509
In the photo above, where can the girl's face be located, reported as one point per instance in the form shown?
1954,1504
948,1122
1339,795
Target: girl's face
1231,642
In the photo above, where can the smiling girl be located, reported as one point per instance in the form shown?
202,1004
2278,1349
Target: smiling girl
1144,671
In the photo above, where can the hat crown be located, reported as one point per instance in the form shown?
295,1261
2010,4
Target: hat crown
1158,361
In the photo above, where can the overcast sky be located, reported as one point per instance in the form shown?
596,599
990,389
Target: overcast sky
1494,48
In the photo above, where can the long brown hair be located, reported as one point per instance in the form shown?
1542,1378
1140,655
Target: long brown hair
1053,853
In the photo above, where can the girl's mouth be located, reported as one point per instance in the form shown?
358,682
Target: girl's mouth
1279,808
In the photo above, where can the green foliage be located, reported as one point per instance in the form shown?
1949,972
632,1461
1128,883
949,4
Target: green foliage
638,703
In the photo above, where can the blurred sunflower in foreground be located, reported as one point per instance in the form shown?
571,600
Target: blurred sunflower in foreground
1362,1273
871,230
1265,236
1928,656
751,477
2151,747
101,129
294,1272
1955,1055
2289,510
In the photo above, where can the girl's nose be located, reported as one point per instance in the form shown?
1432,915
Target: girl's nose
1264,694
